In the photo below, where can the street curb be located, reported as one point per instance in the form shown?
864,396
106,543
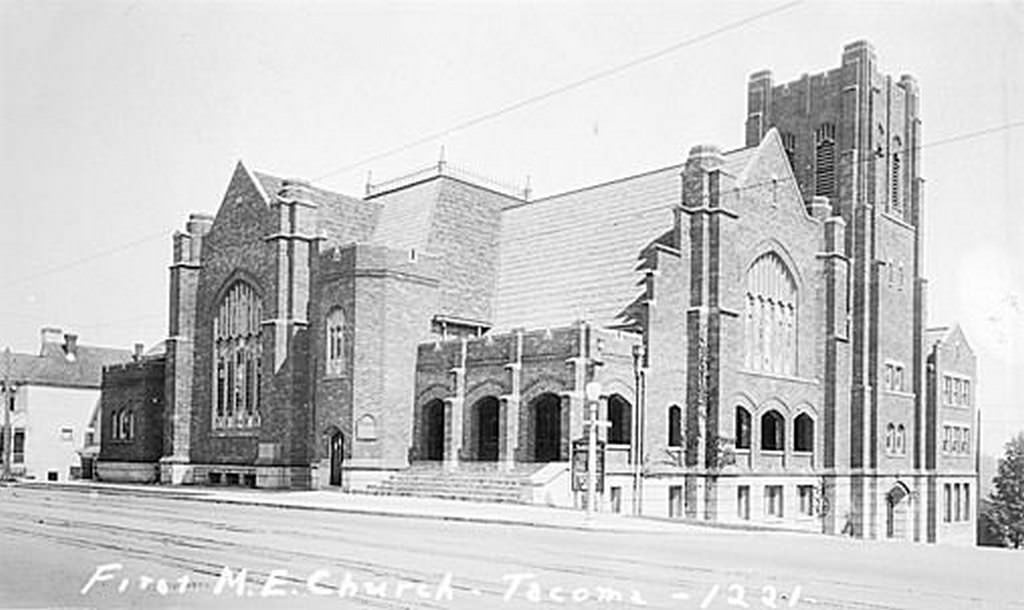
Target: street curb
200,496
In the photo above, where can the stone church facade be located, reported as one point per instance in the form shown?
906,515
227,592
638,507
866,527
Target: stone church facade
756,319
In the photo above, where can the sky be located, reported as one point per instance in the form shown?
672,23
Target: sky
118,119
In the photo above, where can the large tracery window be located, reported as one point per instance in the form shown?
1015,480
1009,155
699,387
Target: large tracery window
771,317
237,351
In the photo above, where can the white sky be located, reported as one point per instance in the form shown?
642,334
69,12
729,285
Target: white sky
117,119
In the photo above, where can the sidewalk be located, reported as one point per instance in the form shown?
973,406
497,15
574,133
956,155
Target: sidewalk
388,506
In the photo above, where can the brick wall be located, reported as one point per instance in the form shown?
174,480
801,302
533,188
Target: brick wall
139,388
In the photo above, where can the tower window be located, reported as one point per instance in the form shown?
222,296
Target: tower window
825,160
335,324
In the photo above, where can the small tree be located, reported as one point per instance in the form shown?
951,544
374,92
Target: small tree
1007,512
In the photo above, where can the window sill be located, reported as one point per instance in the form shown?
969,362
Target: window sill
779,376
899,393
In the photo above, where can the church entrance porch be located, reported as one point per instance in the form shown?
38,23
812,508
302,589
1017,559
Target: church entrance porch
546,414
485,429
433,431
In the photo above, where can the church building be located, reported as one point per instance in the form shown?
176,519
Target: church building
755,318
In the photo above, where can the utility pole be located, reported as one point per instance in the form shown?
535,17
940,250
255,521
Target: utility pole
7,436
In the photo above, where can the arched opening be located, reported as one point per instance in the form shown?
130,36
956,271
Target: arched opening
675,426
773,431
337,456
803,433
897,503
486,424
742,428
547,428
432,431
620,416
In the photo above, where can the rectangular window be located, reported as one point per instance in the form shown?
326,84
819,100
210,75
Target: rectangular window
945,439
967,393
675,501
616,499
888,376
947,514
18,446
806,499
67,434
773,500
947,389
743,502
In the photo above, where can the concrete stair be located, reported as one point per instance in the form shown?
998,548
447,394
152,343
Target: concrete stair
475,482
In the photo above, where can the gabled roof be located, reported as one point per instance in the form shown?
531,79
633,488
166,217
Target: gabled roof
53,367
945,334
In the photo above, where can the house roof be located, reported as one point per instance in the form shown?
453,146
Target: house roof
53,367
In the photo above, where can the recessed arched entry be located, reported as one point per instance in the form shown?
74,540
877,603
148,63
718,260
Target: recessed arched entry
546,411
432,424
336,452
486,427
897,511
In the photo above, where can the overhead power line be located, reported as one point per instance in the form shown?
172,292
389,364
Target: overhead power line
605,73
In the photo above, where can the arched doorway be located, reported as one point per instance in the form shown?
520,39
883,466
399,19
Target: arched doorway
546,410
432,436
337,456
897,505
486,425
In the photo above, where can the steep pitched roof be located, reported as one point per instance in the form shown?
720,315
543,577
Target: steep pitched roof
53,367
341,219
581,254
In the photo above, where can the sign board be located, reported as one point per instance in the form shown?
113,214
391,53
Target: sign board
579,465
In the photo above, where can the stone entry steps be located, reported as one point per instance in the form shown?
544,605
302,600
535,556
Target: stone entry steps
475,482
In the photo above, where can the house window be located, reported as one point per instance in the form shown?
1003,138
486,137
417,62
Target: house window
773,431
771,317
806,499
675,426
366,428
803,433
67,434
335,342
773,500
18,446
742,428
237,356
825,160
743,502
616,499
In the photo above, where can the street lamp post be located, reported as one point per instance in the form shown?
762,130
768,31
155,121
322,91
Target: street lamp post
7,436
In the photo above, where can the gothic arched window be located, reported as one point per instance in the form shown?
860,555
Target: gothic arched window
771,317
773,431
675,426
335,324
803,433
237,355
742,428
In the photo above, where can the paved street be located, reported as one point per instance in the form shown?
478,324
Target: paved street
108,549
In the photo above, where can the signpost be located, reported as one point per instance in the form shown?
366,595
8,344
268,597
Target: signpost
593,392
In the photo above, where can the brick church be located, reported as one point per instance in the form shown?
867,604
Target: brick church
755,318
